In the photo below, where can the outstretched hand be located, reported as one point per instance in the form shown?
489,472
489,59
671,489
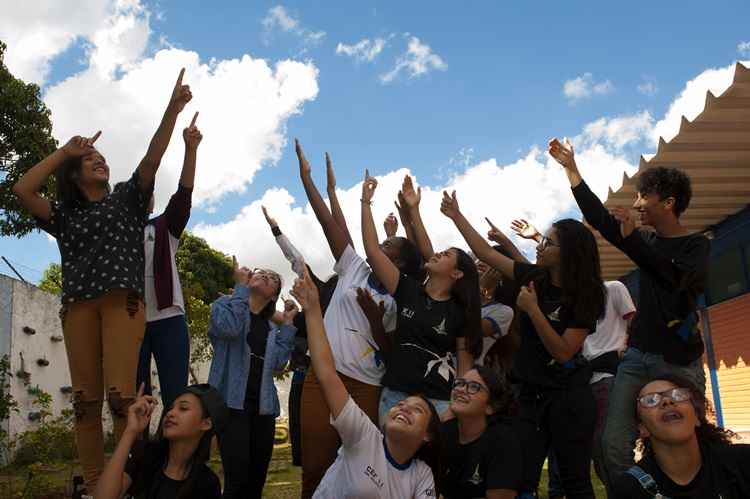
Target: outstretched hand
627,222
449,205
80,146
181,94
192,135
241,274
524,229
306,293
408,195
368,187
271,221
139,412
290,311
304,165
372,310
562,152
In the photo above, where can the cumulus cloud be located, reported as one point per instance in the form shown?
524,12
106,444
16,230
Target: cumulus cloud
533,187
37,32
418,60
279,17
123,91
618,132
744,49
364,50
647,87
584,87
692,100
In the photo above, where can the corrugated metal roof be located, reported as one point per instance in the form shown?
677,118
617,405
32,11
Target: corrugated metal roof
714,149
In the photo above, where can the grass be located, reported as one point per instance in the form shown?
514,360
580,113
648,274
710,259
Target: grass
284,480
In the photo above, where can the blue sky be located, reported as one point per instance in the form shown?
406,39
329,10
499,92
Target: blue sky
497,92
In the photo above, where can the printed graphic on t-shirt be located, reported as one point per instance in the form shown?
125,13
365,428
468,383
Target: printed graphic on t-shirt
440,328
373,476
444,364
554,315
476,478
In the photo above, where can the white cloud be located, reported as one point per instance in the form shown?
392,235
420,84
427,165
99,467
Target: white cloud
692,100
648,87
533,187
618,132
418,60
362,51
245,103
744,49
278,17
36,32
584,87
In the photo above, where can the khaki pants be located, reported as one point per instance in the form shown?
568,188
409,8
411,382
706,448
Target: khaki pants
320,441
102,338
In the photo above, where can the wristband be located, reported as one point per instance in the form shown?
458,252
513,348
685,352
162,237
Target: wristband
365,202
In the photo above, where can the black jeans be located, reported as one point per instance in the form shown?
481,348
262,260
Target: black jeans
246,446
562,421
295,410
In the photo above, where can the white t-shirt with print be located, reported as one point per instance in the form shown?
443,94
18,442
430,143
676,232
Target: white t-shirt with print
362,470
612,329
500,316
178,305
347,326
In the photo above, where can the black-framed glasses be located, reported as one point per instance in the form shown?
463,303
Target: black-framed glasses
546,242
270,274
472,387
651,400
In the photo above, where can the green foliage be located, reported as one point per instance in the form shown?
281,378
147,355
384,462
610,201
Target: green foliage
25,139
52,279
52,439
8,405
205,274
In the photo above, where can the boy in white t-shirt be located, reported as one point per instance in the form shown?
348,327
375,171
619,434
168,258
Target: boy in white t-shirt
370,464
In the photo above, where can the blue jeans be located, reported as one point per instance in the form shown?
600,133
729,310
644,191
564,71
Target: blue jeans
621,429
169,342
389,398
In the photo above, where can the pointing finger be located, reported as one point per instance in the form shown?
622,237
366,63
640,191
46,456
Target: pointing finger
96,136
179,78
490,222
195,117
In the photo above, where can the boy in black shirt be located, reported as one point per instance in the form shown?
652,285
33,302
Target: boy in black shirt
664,337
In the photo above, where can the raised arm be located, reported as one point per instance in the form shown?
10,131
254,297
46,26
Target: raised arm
478,245
335,235
374,313
291,253
390,225
384,269
321,356
412,198
114,482
403,214
177,212
28,186
336,212
496,235
150,163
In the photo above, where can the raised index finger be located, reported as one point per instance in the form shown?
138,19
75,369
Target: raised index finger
195,117
179,78
491,224
96,136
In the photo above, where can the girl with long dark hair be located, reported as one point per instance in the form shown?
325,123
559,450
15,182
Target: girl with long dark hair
684,455
437,321
359,361
561,298
99,232
480,449
248,349
402,460
173,466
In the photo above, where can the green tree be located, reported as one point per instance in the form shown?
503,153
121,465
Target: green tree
25,139
52,279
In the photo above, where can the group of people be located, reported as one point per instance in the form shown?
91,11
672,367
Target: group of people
417,373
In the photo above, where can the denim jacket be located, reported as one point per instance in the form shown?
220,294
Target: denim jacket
228,330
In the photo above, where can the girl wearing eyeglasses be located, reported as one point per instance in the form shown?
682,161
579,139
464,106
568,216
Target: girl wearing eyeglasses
480,450
561,298
248,348
683,454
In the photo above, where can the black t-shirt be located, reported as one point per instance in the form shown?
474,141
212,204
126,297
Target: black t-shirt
150,482
674,273
423,356
101,243
533,365
256,340
724,474
491,462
